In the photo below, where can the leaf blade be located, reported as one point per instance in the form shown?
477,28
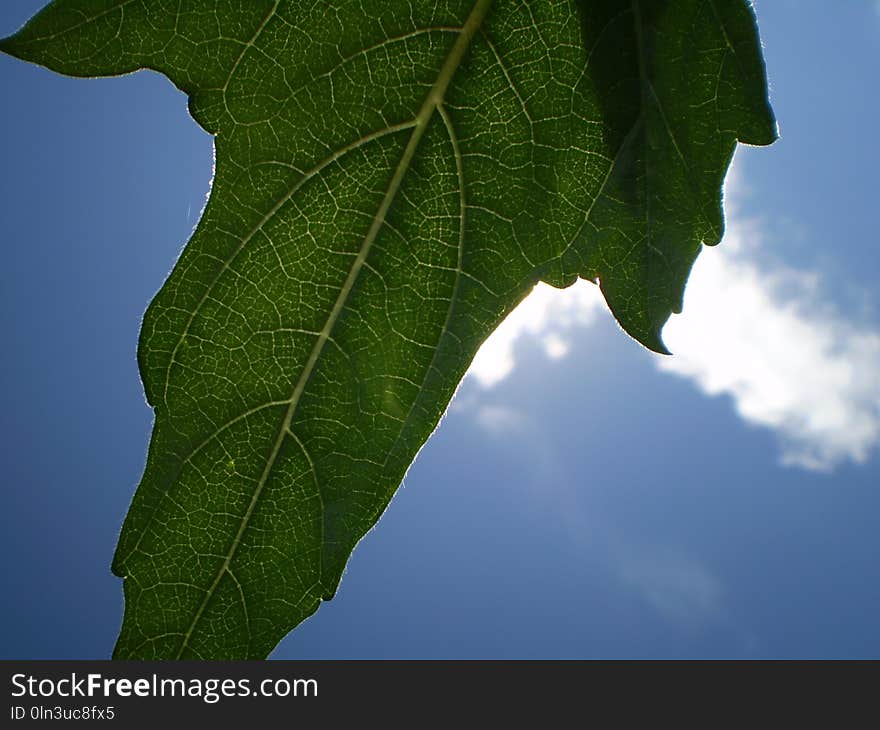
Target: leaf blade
354,255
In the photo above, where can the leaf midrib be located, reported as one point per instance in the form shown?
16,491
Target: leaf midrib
432,102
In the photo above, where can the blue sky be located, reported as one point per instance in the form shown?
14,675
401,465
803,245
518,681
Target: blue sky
582,497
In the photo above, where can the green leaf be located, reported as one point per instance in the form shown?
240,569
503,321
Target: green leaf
392,178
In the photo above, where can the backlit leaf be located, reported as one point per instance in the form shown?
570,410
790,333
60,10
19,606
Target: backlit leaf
392,178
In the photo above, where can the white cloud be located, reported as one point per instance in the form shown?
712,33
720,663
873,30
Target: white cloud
790,361
756,331
548,314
